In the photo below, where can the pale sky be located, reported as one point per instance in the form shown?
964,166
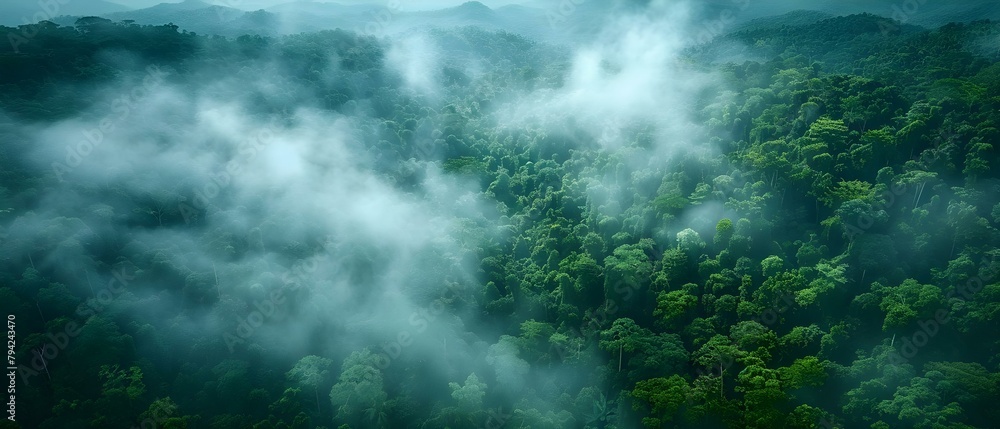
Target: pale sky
261,4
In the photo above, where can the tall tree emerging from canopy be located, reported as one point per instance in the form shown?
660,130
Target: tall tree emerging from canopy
469,394
628,267
311,372
623,336
359,389
663,397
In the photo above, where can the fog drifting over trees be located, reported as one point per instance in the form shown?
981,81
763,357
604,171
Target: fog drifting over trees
565,214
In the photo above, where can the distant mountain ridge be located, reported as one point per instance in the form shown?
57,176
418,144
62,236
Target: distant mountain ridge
189,12
536,19
16,12
302,16
793,18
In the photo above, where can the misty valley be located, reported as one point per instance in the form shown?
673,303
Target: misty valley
565,214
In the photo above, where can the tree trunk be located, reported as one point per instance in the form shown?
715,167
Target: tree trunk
217,289
722,382
316,390
87,274
44,364
620,357
919,193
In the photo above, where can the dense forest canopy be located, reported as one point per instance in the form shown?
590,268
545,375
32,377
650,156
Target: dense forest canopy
683,220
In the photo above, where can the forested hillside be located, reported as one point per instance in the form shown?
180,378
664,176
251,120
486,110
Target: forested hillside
792,226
